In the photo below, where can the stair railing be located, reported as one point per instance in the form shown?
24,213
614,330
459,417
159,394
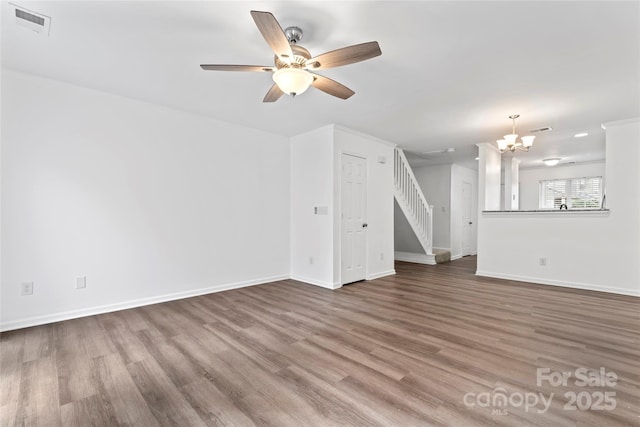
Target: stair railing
412,201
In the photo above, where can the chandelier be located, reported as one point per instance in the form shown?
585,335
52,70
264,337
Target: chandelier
509,142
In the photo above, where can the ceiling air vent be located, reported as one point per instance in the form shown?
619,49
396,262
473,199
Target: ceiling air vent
32,20
548,128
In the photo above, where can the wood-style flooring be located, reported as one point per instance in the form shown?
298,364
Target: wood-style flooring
432,345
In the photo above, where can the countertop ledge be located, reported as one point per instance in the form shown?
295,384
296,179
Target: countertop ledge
555,212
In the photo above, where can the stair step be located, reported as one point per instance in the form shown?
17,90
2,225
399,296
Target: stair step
438,256
442,255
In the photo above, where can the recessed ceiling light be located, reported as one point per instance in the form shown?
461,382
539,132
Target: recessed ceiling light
451,150
580,135
552,161
477,158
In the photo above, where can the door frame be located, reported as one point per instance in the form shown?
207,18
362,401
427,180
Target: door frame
471,218
338,218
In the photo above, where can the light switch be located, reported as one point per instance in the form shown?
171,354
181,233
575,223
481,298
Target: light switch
321,210
81,282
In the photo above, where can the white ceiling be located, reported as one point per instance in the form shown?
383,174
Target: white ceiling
449,76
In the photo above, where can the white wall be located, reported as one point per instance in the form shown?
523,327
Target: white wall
380,250
435,182
588,251
530,179
622,171
316,159
312,185
404,238
149,203
460,174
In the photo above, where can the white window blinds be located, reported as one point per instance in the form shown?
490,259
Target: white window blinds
575,193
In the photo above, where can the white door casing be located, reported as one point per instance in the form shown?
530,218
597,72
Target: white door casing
354,223
467,221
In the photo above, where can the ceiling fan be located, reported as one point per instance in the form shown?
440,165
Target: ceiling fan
293,70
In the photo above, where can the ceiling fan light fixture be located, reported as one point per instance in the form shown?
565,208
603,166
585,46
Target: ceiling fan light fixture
292,81
293,64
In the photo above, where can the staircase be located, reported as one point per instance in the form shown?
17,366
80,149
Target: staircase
409,196
418,212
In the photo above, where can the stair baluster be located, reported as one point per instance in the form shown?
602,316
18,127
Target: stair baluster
412,201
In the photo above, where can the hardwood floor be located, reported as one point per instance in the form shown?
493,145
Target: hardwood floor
432,345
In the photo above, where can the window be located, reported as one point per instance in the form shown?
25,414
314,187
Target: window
575,193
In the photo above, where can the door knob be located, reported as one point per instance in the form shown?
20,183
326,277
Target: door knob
365,225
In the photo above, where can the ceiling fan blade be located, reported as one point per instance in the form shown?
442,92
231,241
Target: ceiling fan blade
331,87
273,34
344,56
274,94
227,67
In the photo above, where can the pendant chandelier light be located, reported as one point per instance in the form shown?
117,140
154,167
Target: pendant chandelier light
509,142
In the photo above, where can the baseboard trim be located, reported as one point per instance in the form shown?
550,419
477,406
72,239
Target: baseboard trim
381,274
109,308
415,258
574,285
326,285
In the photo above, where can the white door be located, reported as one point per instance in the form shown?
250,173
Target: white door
354,223
467,221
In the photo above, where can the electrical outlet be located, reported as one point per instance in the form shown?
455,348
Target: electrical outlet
81,282
310,260
26,288
381,256
543,261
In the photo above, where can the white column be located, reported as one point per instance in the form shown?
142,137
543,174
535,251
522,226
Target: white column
488,177
622,169
511,184
489,165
